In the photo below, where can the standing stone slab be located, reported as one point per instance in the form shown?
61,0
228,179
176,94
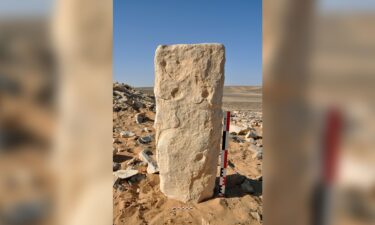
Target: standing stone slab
189,83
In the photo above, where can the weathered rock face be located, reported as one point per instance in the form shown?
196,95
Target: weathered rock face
188,89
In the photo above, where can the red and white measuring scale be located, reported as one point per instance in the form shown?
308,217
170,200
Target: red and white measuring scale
323,197
224,154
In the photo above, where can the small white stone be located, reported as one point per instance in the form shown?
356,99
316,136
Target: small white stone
251,134
146,130
145,140
127,134
124,174
239,130
152,167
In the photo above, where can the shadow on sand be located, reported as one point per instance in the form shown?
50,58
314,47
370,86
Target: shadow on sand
239,186
120,158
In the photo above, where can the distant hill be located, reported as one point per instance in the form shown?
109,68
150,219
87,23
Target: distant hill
235,97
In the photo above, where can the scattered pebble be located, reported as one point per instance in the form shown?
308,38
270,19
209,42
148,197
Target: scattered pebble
146,130
145,156
145,139
251,134
239,130
124,174
127,134
237,139
250,139
140,118
126,98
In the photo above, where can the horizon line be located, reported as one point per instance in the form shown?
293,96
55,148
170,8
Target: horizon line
229,85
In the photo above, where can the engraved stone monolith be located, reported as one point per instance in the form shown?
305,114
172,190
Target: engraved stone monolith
188,89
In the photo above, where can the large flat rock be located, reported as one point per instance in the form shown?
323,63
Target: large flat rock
189,83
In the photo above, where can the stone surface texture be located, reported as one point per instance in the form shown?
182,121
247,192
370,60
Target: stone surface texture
189,82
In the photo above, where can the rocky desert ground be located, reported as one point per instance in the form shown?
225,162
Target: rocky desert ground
136,195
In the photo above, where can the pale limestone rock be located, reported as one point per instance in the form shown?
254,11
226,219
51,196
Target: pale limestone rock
189,83
240,130
127,134
251,134
152,167
145,139
124,174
